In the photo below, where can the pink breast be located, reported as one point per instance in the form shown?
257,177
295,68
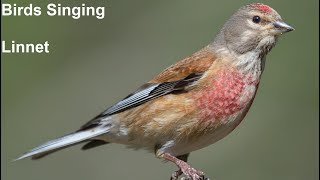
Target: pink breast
224,96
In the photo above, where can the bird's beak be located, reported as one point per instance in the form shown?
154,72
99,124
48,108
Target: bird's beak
282,27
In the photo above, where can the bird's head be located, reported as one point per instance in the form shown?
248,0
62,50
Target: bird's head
254,27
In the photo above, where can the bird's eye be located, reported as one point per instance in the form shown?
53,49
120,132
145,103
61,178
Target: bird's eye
256,19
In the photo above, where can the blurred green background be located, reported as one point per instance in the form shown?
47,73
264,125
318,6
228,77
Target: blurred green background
94,63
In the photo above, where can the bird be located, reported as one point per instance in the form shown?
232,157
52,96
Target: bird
191,104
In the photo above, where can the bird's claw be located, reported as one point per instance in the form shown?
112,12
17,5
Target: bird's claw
176,174
189,172
193,174
201,178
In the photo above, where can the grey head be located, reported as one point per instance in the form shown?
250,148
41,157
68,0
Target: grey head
254,27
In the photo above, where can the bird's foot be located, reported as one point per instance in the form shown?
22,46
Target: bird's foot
175,175
190,172
184,168
203,178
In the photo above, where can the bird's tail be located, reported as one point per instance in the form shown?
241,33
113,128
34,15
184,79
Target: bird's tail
63,142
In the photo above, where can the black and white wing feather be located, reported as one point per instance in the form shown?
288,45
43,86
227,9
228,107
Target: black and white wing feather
144,94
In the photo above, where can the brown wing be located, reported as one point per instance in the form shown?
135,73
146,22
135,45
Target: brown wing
196,63
174,79
144,94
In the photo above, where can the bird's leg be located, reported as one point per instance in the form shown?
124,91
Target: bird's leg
178,173
184,167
